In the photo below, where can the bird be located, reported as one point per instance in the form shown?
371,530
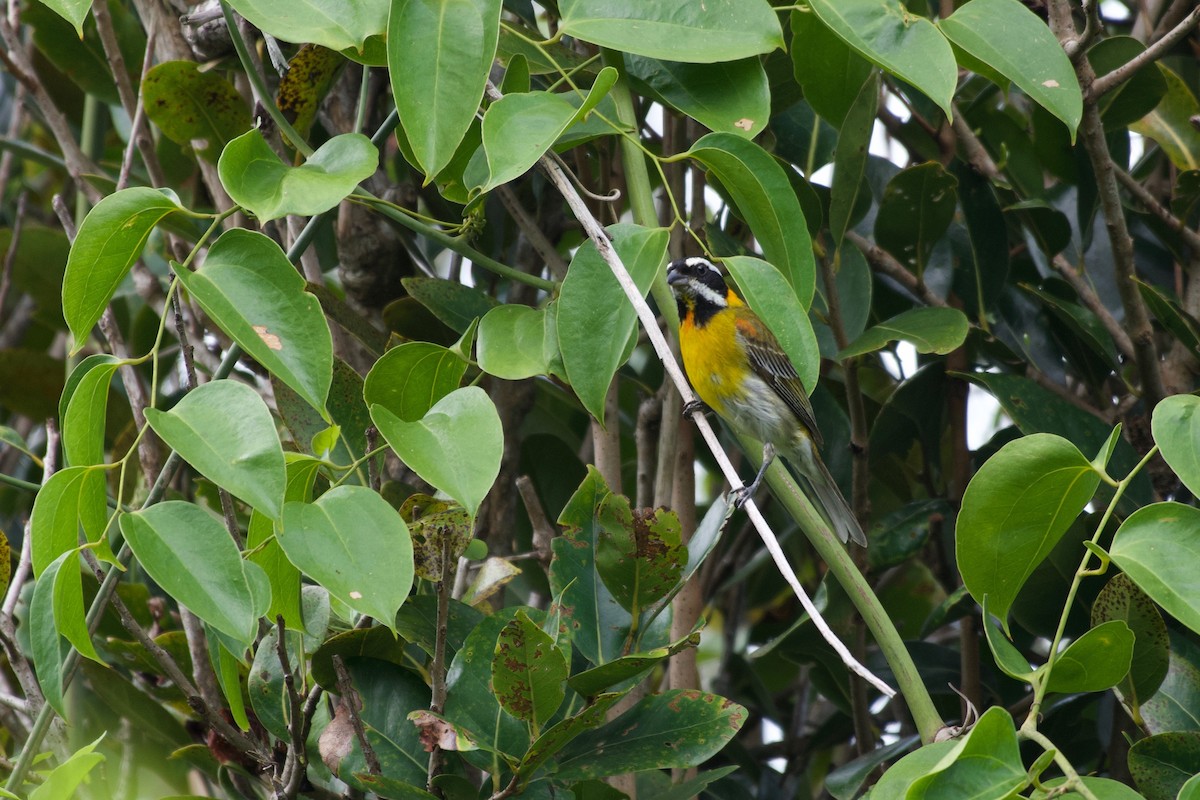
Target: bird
738,369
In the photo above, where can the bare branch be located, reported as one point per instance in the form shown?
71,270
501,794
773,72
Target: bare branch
1106,83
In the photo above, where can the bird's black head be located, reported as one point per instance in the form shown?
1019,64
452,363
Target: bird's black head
698,287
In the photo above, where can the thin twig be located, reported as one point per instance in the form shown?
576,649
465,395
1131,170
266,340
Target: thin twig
296,748
139,136
10,257
1189,235
885,263
543,531
529,227
353,702
1108,82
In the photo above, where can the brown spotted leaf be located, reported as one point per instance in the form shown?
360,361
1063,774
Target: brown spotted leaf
528,672
195,109
639,554
440,532
310,74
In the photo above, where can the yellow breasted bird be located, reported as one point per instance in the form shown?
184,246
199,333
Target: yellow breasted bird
739,370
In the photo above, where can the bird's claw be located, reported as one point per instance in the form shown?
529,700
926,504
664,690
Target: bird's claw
692,406
742,495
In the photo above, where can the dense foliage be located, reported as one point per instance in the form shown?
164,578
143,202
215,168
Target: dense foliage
344,454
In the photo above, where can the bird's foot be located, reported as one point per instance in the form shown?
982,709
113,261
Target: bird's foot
692,406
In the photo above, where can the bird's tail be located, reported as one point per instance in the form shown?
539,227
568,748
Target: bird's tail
830,500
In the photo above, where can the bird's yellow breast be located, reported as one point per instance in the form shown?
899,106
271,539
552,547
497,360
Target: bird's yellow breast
712,358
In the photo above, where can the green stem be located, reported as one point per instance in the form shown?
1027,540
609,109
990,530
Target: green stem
260,86
1039,691
835,555
1074,784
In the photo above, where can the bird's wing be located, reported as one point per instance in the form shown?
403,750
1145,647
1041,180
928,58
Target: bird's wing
770,363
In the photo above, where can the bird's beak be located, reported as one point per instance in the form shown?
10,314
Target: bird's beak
674,276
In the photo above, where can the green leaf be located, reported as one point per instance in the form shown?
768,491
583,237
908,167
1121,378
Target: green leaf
72,496
985,763
595,319
224,430
439,54
516,342
84,415
1161,765
355,545
591,682
1122,600
73,11
263,547
310,74
1155,547
1098,660
730,96
765,289
929,330
387,693
65,779
847,780
917,207
574,582
1133,98
249,288
528,672
1191,789
701,33
639,554
456,447
558,736
1176,430
764,196
850,158
440,533
194,559
1182,325
518,129
111,238
257,180
1169,124
412,377
1008,658
830,73
336,24
676,729
1007,36
70,613
1102,788
265,681
194,108
1015,509
896,40
904,773
48,647
451,302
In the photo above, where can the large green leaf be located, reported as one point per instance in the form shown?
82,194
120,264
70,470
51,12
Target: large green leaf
412,377
767,292
595,319
456,446
110,239
1008,37
1169,124
71,497
715,30
195,560
1015,510
84,403
899,41
850,157
225,430
257,180
517,341
336,24
1156,546
831,73
929,330
985,763
1176,429
519,128
64,780
528,672
439,54
70,614
639,553
730,96
1133,98
1162,764
559,735
917,207
249,288
355,545
1098,660
678,728
73,11
194,108
764,196
1122,600
48,649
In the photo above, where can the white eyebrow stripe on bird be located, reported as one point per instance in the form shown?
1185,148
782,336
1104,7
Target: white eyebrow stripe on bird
698,261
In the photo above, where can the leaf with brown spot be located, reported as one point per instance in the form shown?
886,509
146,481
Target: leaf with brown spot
193,108
310,74
639,554
528,672
440,533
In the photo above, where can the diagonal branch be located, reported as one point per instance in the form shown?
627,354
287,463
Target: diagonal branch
1108,82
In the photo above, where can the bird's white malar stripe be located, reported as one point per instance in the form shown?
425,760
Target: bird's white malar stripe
707,292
